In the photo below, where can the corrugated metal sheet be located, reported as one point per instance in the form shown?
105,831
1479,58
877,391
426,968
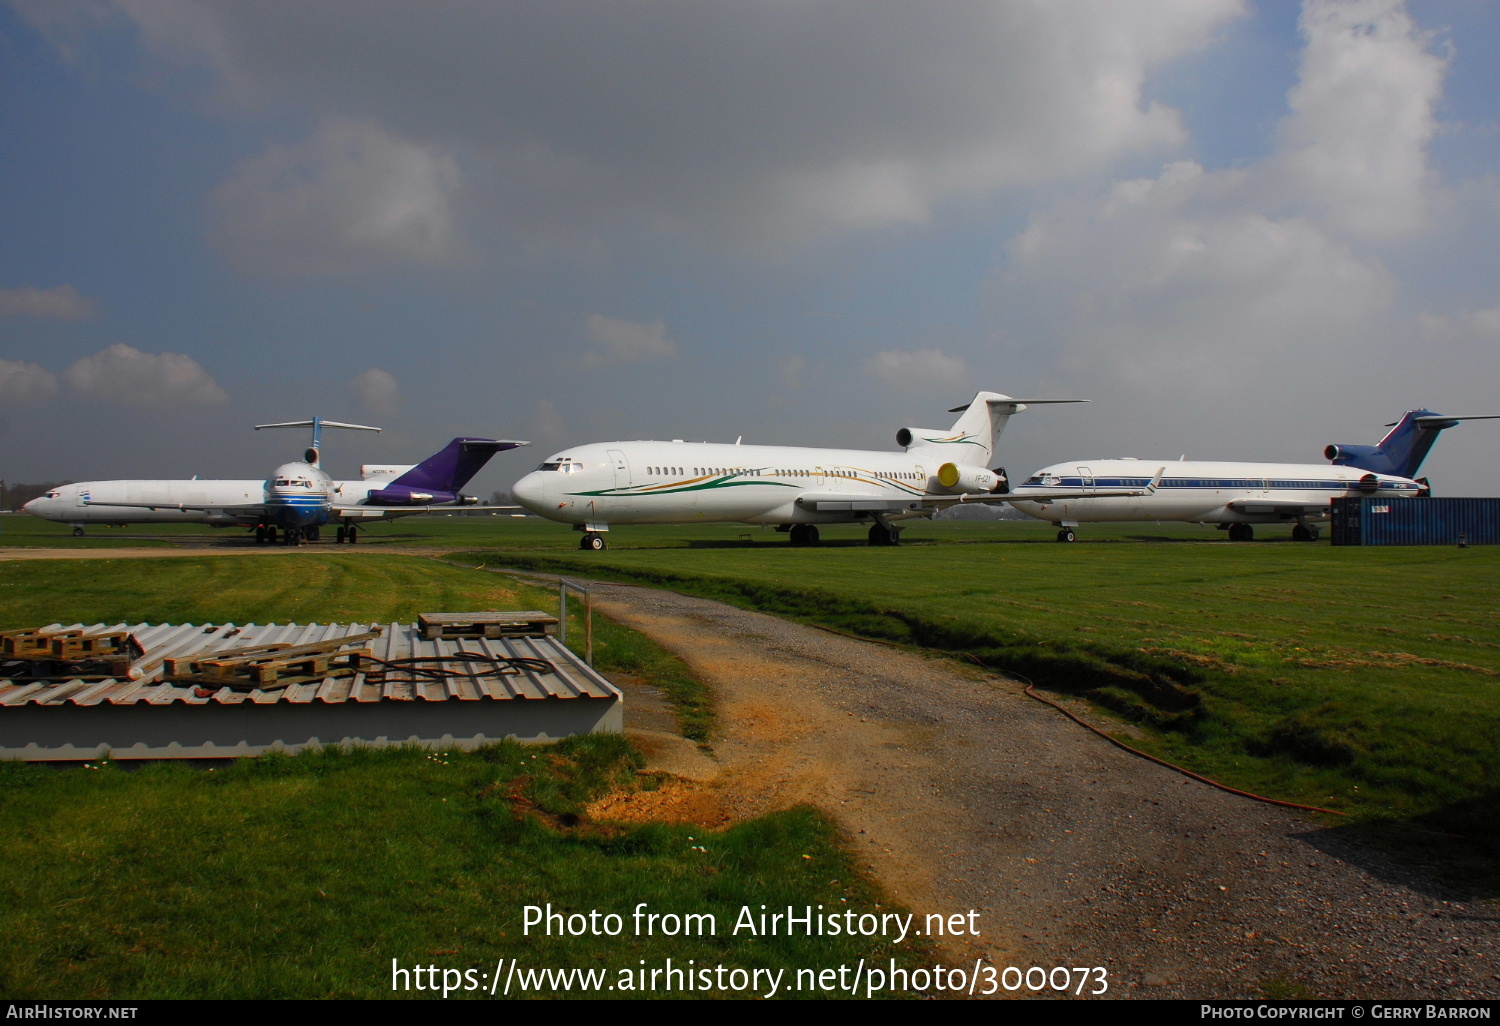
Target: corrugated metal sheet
1429,521
570,677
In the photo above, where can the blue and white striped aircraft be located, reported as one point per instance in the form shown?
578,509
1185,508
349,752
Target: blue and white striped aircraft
1234,496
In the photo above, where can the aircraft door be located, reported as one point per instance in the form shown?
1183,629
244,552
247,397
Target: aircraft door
622,468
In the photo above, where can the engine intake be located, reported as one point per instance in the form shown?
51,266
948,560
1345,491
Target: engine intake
969,480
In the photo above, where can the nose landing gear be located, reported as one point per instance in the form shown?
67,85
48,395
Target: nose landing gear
591,542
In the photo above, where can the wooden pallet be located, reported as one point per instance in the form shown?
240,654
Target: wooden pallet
76,653
523,623
275,665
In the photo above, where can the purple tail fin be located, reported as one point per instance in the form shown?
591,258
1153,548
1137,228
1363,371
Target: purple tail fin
453,467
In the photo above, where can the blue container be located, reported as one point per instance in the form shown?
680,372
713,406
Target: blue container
1370,521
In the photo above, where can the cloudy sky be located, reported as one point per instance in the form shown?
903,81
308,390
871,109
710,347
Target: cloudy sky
1245,230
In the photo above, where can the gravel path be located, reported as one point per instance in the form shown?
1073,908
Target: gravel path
962,793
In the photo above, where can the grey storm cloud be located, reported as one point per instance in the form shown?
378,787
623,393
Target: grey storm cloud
751,122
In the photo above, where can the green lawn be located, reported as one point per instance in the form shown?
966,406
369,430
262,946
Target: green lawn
306,876
1363,679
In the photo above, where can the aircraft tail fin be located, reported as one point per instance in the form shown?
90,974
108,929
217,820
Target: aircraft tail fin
317,424
1403,449
454,465
975,436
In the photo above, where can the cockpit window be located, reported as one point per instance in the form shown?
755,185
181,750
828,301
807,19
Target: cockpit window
563,466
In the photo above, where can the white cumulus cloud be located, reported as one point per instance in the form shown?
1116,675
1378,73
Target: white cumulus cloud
350,198
620,341
22,383
125,375
1263,279
376,391
748,123
62,302
1355,146
919,367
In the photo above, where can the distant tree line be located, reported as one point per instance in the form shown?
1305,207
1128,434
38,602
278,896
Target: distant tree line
14,496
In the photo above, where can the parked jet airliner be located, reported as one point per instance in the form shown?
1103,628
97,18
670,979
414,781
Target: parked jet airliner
797,489
1235,496
293,503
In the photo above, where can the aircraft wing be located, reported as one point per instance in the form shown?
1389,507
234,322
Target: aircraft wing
1295,509
826,502
922,505
249,509
1045,495
396,512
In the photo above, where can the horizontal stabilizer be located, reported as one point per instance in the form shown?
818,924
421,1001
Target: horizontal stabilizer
1440,419
1023,402
317,422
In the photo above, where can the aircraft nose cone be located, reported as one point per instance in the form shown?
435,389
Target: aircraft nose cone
530,491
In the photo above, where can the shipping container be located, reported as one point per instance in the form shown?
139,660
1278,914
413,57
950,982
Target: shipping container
1363,520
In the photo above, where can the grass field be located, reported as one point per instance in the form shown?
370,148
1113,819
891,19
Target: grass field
305,876
1366,680
1362,679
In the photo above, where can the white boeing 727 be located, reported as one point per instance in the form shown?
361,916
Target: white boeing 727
292,504
1235,496
797,489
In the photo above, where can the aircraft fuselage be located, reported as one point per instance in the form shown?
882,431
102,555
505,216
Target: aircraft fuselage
1200,491
648,482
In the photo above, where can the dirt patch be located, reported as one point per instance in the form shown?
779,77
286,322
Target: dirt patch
674,801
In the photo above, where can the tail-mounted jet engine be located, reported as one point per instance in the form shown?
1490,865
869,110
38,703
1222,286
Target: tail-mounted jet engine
969,480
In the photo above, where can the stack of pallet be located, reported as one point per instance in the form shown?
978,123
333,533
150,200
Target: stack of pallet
261,667
72,654
527,623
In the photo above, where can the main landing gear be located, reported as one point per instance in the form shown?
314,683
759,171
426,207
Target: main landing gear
347,534
1241,532
77,532
1066,535
1304,532
264,535
804,534
880,534
591,542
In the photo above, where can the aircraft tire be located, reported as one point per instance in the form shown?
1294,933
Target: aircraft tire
77,532
591,542
340,536
353,535
1066,535
260,535
1241,532
881,535
812,534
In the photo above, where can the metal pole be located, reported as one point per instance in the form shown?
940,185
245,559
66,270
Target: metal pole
588,627
562,611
